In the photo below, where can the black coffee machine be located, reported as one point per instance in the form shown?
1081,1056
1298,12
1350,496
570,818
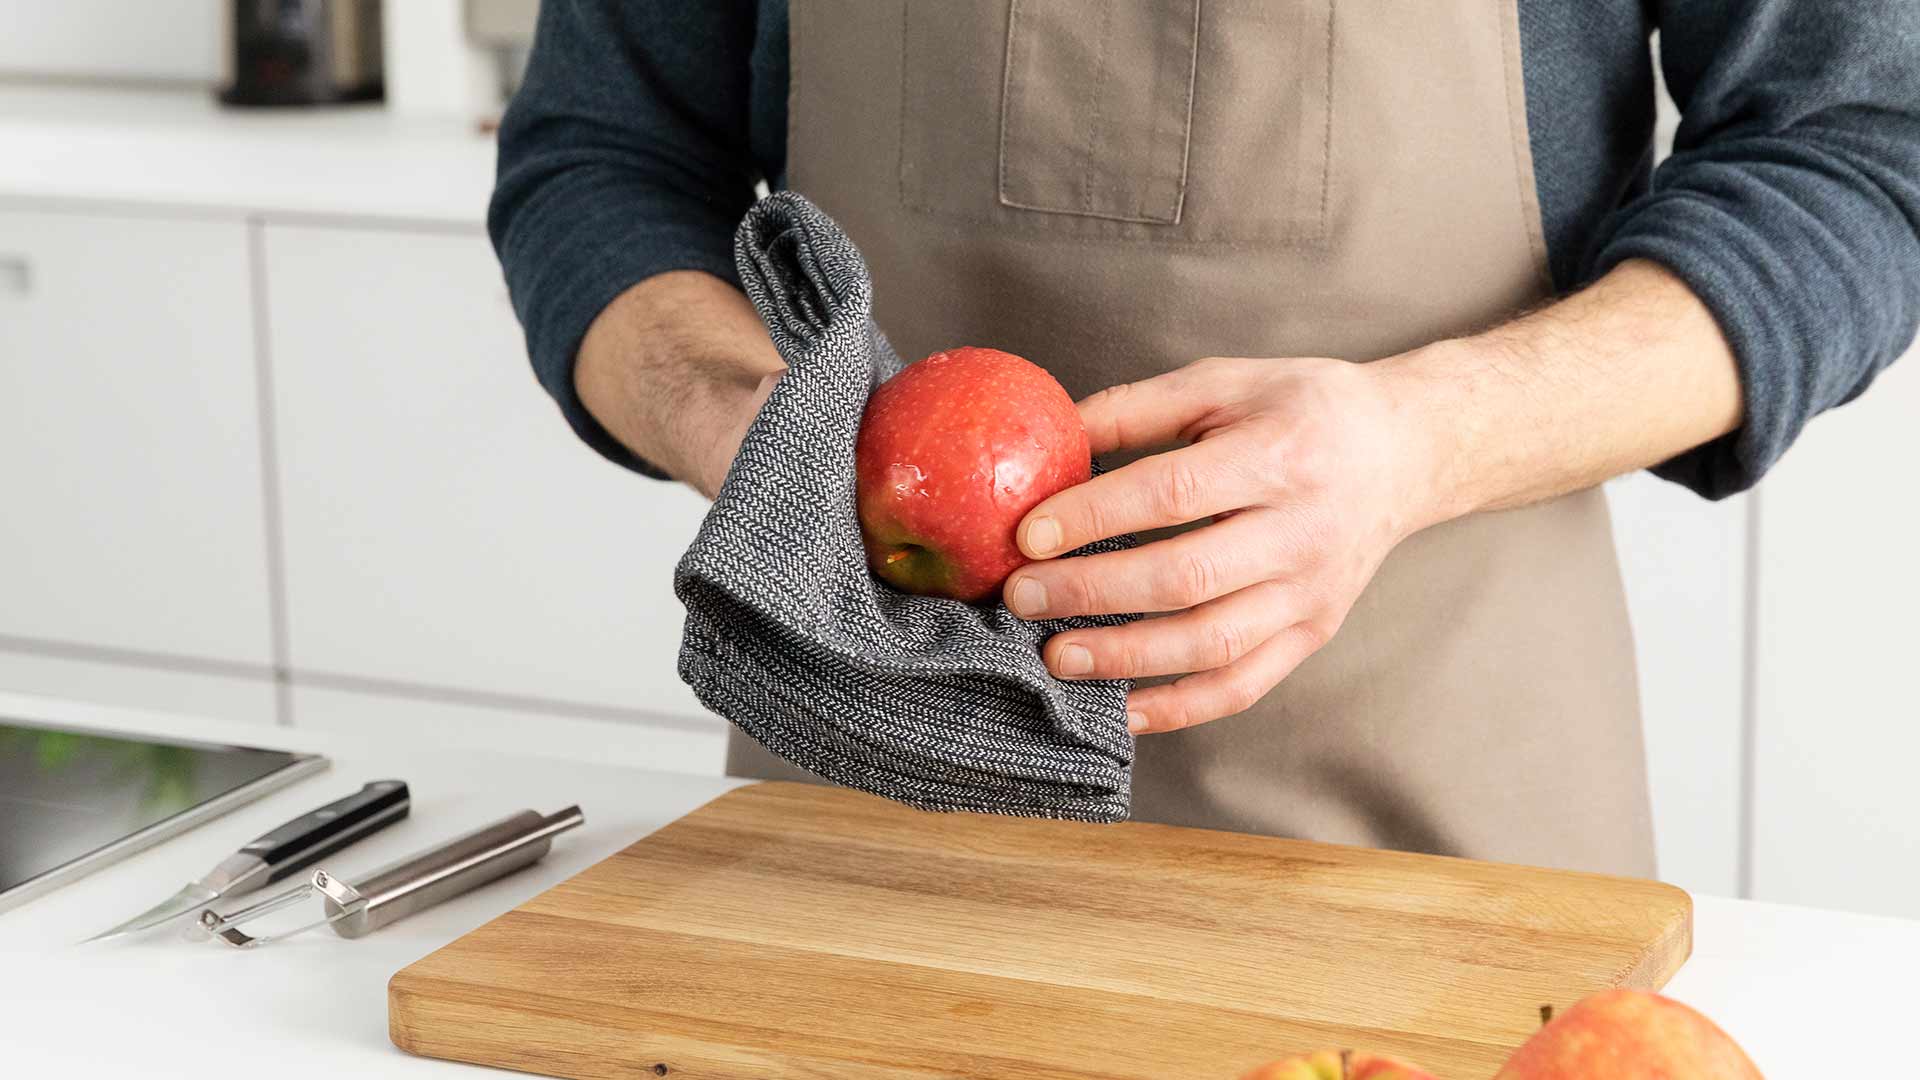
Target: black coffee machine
304,52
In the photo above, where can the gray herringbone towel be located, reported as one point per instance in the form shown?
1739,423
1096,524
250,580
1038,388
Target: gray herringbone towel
936,703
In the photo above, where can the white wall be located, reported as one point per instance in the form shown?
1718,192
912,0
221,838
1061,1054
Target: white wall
1837,803
431,67
1685,567
171,40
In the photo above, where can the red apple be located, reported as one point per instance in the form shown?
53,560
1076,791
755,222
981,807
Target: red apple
953,452
1337,1065
1629,1033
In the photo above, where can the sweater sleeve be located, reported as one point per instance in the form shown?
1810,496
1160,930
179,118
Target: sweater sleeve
1791,205
625,154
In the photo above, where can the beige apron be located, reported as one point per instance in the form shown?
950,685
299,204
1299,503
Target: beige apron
1116,189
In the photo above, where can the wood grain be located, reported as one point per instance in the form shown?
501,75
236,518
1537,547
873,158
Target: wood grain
793,931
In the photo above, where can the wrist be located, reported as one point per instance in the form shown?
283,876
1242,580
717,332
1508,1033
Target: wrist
675,368
1436,430
731,407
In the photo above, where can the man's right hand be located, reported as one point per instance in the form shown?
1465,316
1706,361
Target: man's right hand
676,368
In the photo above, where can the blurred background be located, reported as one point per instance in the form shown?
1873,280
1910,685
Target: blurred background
270,451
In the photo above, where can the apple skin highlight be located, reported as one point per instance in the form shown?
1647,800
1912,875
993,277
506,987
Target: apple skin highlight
953,451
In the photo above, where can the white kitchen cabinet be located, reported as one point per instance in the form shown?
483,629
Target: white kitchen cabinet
443,526
1684,563
131,507
1837,812
668,743
240,697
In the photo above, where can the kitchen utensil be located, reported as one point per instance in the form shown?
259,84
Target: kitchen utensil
292,847
787,930
412,884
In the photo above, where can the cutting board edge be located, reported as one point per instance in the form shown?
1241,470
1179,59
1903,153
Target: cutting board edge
505,1035
1663,958
402,1020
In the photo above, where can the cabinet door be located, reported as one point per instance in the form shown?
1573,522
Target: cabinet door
662,744
72,676
1684,562
1837,811
443,526
130,495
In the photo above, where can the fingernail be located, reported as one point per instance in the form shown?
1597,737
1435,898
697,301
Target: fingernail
1073,660
1136,722
1043,535
1029,598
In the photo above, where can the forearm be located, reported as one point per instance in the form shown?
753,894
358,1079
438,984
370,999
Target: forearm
1620,376
674,369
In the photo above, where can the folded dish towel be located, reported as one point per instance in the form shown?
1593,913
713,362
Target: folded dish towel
935,703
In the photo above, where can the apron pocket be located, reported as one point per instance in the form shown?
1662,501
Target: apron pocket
1180,122
1095,117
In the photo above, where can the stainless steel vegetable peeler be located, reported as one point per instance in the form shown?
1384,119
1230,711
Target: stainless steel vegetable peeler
412,884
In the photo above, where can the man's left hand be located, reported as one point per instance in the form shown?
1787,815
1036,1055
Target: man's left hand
1311,472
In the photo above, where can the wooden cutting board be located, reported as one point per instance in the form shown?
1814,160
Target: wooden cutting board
787,931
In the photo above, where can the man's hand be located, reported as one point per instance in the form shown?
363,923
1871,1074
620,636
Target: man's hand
1308,470
1312,470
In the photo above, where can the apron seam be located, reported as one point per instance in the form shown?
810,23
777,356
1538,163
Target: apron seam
1520,139
1326,128
794,16
1006,94
1186,145
1094,86
900,128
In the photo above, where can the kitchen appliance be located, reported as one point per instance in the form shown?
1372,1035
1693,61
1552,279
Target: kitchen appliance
305,52
790,930
293,846
412,884
73,800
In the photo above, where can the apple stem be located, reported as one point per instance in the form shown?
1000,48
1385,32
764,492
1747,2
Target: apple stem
1546,1015
1346,1064
896,557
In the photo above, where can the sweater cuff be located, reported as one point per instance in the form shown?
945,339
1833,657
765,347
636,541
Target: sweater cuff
574,266
1729,269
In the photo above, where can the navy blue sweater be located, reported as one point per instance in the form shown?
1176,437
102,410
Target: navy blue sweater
1791,203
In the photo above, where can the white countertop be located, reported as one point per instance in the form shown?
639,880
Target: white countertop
181,149
1807,992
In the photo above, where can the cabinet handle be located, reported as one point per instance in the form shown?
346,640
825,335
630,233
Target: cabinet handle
16,276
